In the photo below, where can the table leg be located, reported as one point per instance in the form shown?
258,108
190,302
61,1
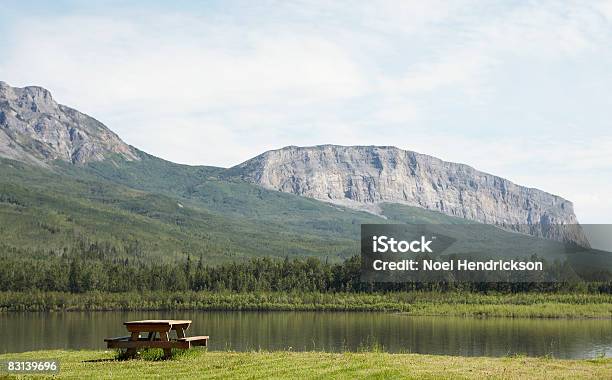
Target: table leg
131,352
180,333
163,335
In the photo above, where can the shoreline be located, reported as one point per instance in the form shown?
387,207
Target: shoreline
455,304
398,313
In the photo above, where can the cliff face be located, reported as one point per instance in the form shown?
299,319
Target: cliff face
35,129
364,176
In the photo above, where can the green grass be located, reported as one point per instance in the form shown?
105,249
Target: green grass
525,305
300,365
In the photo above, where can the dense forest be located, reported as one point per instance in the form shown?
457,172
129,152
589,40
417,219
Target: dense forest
79,275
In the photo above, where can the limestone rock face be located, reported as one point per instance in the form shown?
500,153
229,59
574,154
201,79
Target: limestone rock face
363,177
35,129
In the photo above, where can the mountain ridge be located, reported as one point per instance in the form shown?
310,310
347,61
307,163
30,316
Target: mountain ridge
37,130
34,128
391,147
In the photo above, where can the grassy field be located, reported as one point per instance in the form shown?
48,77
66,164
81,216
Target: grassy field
287,365
530,305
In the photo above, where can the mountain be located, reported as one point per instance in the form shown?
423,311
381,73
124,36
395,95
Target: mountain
69,185
364,177
150,209
35,129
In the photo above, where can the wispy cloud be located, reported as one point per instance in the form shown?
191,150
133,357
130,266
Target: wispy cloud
517,89
145,60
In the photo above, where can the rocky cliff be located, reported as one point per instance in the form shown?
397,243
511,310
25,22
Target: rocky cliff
363,177
35,129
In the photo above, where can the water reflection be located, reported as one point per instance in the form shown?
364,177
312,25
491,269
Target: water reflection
327,331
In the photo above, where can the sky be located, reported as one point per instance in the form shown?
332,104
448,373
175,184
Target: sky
519,89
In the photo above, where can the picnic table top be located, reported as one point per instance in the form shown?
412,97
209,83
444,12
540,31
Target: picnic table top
159,322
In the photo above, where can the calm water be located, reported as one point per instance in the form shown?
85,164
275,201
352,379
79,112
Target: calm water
323,331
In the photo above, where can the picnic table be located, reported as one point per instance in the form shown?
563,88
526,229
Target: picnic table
158,336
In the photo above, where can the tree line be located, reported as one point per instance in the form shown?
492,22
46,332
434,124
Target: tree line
79,275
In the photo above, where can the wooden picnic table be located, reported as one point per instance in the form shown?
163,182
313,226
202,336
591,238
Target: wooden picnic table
154,327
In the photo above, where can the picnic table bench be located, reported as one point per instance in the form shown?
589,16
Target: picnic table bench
158,336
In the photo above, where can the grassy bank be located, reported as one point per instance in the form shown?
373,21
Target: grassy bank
532,305
265,365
